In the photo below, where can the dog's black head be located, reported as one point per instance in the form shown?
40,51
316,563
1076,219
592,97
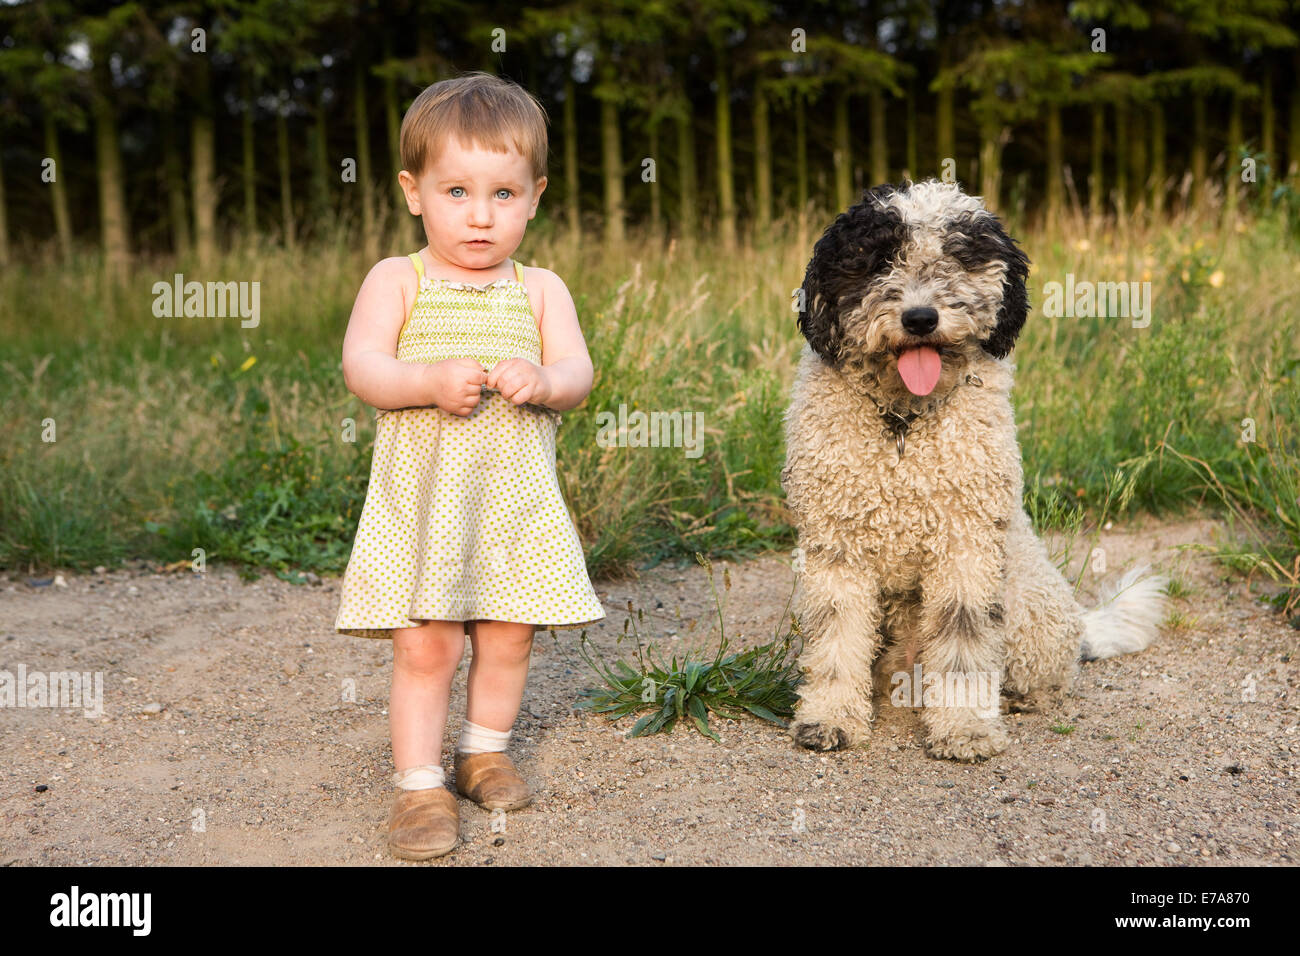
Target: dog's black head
912,267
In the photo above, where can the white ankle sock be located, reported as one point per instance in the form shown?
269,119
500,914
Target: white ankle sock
478,740
425,777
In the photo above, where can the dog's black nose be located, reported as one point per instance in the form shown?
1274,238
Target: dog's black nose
920,321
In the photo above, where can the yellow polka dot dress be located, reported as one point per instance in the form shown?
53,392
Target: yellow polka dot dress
464,519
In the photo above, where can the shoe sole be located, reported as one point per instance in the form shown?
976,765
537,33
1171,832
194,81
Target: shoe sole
405,854
515,805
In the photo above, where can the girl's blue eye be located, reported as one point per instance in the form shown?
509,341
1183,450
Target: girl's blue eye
454,188
508,193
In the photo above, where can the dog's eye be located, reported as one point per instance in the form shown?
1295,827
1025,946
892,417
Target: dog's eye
960,248
973,251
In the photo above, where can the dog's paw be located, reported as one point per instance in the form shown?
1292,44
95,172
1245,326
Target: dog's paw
1033,702
971,743
819,736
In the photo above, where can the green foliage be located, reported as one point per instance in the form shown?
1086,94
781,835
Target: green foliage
281,505
1259,486
760,681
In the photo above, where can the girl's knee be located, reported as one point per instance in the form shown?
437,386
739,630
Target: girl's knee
430,649
503,635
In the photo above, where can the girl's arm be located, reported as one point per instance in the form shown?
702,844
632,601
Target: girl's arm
371,369
565,361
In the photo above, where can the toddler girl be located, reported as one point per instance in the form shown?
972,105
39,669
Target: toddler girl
468,358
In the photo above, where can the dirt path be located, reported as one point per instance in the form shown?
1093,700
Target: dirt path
223,705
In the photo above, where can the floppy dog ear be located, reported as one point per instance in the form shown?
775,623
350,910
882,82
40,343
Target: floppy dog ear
975,242
856,247
1015,300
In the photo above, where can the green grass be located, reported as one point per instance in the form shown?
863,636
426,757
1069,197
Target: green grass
760,681
180,434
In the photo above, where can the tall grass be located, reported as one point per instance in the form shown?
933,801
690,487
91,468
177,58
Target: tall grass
180,433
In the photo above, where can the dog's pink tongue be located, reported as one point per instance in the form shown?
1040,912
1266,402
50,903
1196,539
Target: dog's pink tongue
920,368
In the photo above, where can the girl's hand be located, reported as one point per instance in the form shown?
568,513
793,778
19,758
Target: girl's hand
520,381
457,384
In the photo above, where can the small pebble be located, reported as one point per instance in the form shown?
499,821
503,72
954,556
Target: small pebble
154,708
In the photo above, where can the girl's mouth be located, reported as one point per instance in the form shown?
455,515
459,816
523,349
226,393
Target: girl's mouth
479,243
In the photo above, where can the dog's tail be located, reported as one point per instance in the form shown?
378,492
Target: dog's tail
1127,617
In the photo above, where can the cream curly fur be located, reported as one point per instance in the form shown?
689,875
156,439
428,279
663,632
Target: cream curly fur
929,557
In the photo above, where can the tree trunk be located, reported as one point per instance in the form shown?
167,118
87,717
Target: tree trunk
393,125
1157,157
612,157
392,118
1096,177
841,159
1055,187
1121,157
1293,128
572,196
1199,148
4,217
286,182
913,159
655,207
879,145
686,170
203,166
178,210
114,226
323,177
58,189
801,153
203,192
1267,124
762,161
726,196
1232,161
370,240
1139,171
250,160
945,137
990,175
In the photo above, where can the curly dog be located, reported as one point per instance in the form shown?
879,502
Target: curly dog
916,557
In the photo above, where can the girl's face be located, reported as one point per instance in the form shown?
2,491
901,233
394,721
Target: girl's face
475,204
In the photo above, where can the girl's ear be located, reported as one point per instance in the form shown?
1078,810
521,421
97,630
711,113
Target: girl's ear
537,195
409,190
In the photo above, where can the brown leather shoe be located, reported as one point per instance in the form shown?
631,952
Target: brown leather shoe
423,823
491,781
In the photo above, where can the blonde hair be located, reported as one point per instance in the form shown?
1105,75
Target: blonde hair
480,110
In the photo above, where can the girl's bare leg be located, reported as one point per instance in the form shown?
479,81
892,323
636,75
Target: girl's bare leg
424,663
497,672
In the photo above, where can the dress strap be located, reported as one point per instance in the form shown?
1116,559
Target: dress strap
419,264
519,271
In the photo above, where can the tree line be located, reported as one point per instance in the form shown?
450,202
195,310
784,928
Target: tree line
175,127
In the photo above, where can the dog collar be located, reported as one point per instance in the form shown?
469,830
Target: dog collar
897,423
